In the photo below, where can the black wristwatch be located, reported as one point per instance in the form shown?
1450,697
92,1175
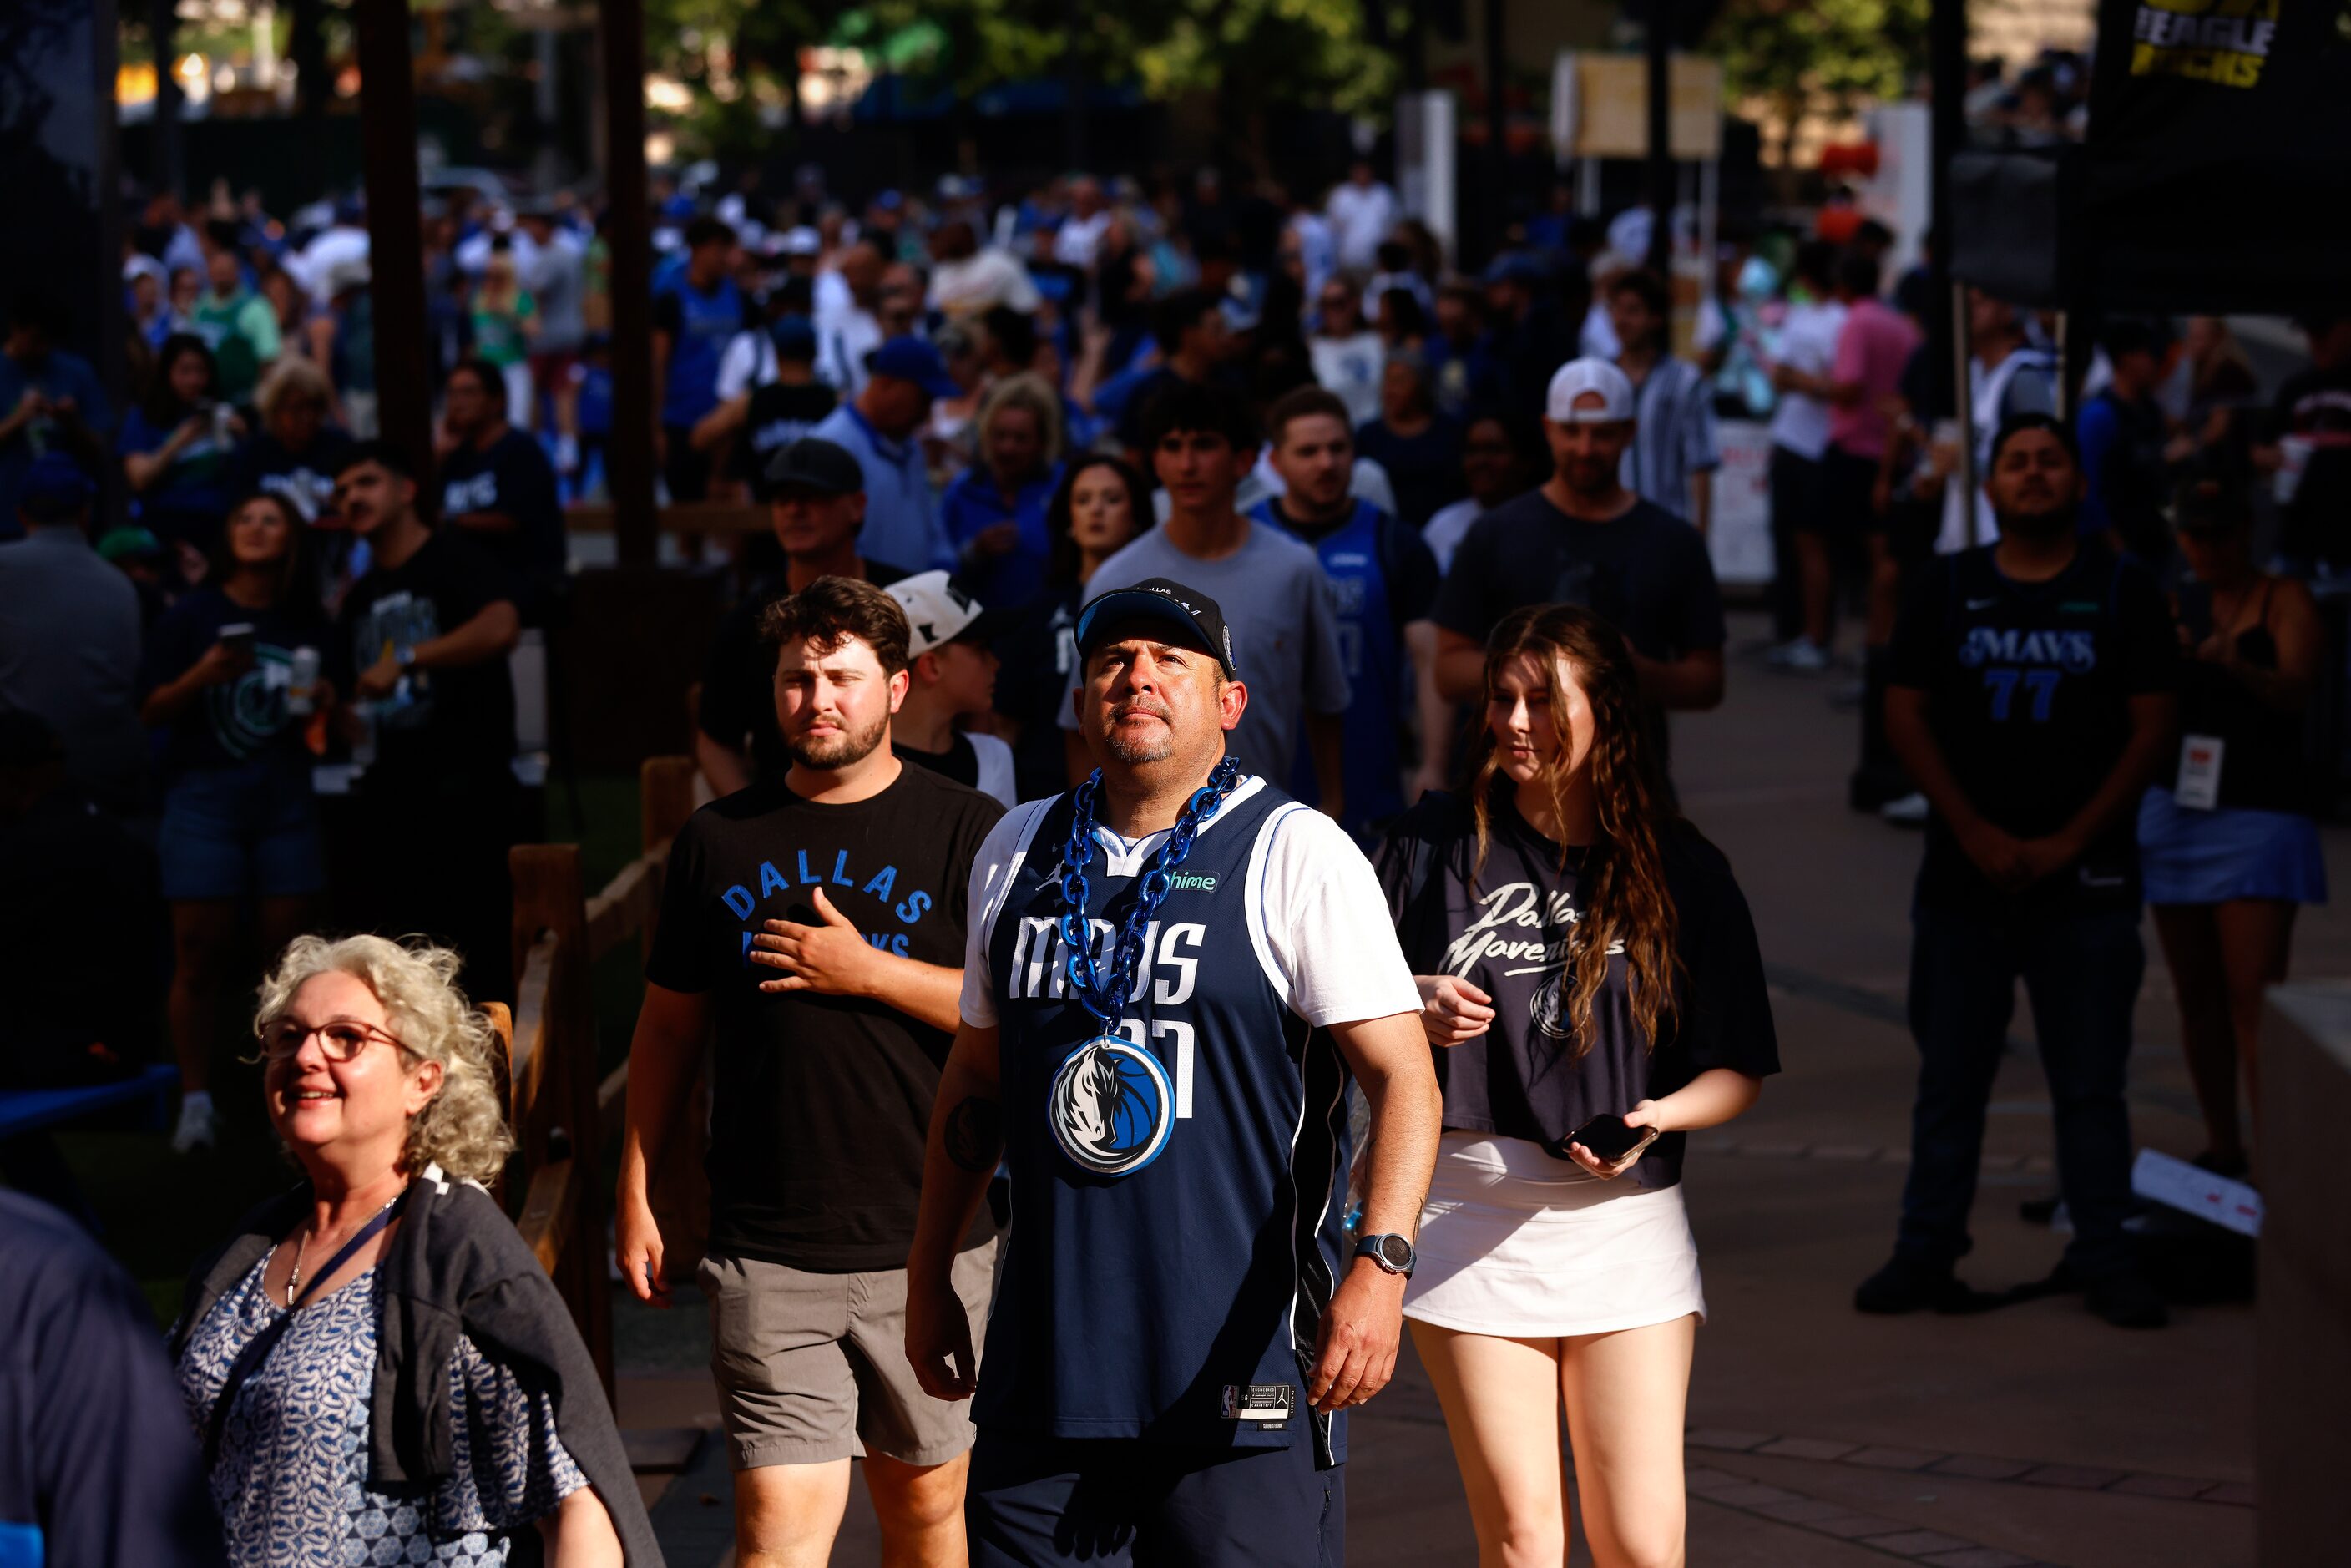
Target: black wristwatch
1390,1251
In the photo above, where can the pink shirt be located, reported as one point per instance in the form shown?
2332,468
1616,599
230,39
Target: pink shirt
1873,346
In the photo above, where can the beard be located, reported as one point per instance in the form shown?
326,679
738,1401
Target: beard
1136,753
841,751
1588,476
2040,527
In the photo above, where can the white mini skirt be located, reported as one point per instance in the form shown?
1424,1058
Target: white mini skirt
1516,1243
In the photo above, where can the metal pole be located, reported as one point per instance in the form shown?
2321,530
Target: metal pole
1963,396
395,229
1498,126
165,165
621,30
1073,88
1660,180
1947,57
1947,48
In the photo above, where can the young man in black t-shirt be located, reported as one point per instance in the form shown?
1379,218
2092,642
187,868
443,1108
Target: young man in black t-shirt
497,486
782,402
421,648
817,921
1583,538
2031,698
817,503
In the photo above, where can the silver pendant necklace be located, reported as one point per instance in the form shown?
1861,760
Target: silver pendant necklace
302,1242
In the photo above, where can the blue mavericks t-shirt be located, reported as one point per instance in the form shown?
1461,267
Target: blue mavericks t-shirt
1382,575
700,327
1147,1290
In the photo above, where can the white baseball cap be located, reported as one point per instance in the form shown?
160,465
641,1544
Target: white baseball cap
938,613
1578,377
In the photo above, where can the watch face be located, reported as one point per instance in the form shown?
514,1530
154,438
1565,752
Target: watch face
1396,1251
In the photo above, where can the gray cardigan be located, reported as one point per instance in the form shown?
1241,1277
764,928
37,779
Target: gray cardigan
455,1266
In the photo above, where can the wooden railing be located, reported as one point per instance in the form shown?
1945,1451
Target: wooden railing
561,1113
677,517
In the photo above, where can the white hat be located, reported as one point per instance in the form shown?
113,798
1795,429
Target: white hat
802,241
1578,377
937,613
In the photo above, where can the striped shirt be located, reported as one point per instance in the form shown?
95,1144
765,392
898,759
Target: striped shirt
1673,437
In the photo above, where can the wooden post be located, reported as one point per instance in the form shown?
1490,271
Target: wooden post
681,1184
549,898
665,798
395,232
621,38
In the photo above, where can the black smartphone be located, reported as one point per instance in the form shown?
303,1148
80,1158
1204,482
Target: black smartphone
1608,1137
239,637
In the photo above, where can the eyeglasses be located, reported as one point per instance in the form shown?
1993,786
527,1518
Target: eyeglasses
283,1039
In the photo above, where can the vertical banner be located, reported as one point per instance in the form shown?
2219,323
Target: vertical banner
1739,536
2220,153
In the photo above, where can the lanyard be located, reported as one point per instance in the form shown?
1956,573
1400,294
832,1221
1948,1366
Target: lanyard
256,1350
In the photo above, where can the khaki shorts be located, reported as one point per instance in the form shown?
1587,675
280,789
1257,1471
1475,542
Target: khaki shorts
809,1366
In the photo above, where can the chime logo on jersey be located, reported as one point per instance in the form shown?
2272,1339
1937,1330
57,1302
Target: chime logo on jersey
1112,1107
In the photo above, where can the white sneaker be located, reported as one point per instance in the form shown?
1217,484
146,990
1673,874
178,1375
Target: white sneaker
196,1124
1908,811
1805,657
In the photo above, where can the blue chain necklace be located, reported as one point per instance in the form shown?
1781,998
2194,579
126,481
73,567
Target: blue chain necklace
1112,1106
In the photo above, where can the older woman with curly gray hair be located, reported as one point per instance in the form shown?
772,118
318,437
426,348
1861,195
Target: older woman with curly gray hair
377,1366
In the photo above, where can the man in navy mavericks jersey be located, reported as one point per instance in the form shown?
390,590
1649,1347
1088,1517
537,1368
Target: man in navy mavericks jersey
816,920
2031,698
1182,1317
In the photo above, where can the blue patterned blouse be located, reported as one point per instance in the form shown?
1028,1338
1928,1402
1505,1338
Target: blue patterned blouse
291,1481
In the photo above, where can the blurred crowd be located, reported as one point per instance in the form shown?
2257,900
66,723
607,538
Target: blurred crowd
963,382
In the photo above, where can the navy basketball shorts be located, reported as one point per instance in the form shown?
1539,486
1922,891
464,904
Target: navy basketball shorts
1122,1502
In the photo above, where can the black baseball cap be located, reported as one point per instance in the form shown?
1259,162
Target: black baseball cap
1195,614
812,462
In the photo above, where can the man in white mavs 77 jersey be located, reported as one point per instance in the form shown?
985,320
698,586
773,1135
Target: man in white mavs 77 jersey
1172,972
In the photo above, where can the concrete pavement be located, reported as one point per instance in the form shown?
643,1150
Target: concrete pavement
1818,1437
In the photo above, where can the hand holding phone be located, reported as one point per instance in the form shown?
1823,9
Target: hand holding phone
1610,1140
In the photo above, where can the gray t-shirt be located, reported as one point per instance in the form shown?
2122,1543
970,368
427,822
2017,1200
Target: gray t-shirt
1279,605
558,282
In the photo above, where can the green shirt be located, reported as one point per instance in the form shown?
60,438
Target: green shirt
242,332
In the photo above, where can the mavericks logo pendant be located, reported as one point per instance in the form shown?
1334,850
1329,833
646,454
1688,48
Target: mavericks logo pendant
1111,1108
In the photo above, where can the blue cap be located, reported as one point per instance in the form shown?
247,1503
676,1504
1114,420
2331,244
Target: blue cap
889,201
913,360
1517,266
794,337
55,488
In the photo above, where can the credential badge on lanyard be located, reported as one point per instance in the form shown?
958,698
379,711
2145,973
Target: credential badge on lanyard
2199,788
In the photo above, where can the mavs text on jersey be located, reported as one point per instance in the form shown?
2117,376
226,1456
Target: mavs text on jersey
1178,1191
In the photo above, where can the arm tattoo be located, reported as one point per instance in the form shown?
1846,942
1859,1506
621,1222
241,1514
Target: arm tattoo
976,1133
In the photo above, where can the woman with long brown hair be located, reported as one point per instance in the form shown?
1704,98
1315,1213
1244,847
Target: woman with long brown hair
1592,989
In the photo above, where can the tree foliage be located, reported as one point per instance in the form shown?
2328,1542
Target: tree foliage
1829,56
1243,53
